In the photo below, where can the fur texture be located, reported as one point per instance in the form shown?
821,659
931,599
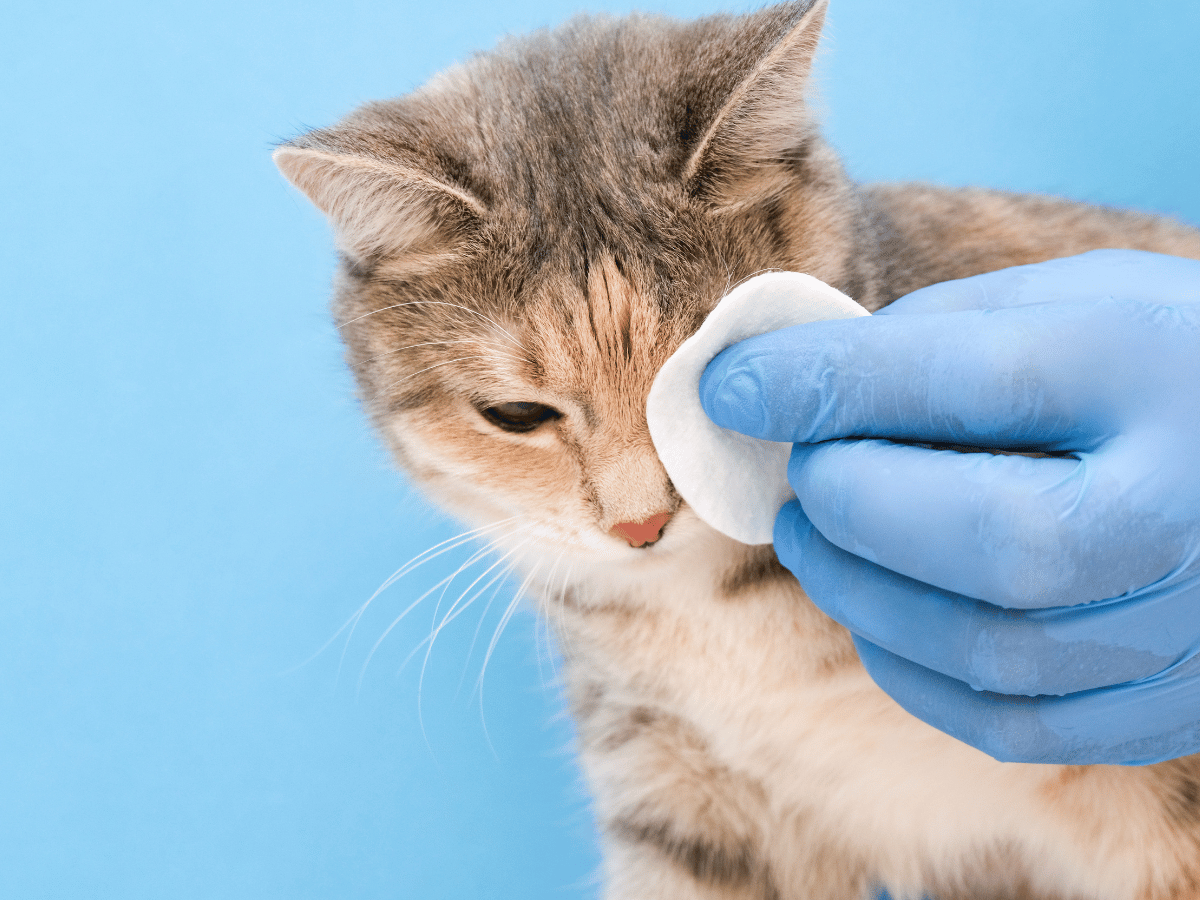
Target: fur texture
544,225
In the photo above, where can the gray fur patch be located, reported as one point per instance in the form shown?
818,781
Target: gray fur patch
729,864
1181,784
759,567
637,721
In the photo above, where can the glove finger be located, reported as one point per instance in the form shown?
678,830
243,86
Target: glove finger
1121,274
1039,652
998,379
1012,531
1135,724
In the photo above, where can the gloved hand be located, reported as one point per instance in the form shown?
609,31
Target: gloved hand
1041,609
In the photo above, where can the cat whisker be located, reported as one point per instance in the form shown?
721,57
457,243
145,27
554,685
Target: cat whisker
450,613
491,600
445,581
427,641
562,603
483,552
541,632
453,613
416,562
479,627
444,584
456,610
544,625
508,614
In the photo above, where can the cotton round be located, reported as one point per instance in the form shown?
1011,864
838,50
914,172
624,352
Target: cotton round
737,484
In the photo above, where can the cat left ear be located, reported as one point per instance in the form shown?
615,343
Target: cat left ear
745,152
380,209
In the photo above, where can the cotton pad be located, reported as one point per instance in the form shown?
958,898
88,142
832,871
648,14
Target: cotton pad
737,484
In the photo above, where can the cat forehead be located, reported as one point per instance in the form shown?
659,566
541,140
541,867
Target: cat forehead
591,76
599,323
601,343
596,100
596,340
626,134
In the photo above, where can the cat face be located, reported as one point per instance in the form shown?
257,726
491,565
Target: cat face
526,240
534,411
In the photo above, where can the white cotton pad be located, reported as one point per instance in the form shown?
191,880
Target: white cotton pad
736,484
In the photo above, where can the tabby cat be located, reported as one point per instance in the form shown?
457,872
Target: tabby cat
523,242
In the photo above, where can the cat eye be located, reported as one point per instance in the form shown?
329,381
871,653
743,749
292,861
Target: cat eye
519,417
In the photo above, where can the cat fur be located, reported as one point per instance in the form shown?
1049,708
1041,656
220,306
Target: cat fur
546,223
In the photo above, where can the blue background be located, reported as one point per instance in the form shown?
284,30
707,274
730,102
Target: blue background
191,504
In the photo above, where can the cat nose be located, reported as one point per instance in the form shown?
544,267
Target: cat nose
638,534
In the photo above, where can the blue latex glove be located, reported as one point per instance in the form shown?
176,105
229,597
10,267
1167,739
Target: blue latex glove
1040,609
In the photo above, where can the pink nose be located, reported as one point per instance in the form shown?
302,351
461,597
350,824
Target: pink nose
639,533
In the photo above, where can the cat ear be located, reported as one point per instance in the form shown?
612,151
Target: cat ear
380,209
764,124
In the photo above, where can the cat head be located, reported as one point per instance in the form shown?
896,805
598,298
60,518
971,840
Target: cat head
527,238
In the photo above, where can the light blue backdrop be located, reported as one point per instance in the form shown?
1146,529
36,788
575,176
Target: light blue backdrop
191,504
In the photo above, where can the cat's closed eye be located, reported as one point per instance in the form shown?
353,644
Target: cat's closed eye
520,417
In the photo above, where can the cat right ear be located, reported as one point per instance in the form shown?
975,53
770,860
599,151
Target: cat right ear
380,209
745,152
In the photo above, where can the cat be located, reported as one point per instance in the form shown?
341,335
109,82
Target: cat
523,242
